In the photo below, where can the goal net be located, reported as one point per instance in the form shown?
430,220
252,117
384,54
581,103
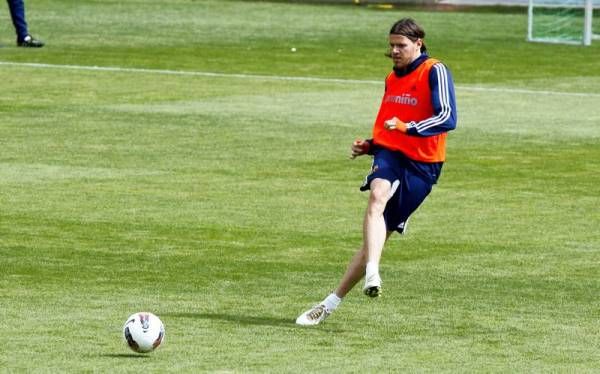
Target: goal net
562,21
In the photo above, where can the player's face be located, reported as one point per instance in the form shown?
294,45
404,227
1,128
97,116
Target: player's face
403,50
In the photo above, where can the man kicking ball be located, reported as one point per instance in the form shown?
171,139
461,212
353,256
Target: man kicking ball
409,148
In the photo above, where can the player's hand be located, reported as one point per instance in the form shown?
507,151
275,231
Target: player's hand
395,124
359,147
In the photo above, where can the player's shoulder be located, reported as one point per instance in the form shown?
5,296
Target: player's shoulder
435,63
438,67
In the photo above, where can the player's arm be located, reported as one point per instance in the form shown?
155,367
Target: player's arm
443,101
361,147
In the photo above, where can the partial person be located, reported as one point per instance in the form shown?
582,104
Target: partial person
408,148
17,14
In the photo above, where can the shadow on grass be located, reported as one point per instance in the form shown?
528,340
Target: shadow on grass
124,355
249,320
243,320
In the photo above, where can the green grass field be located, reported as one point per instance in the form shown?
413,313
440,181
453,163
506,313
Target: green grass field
227,204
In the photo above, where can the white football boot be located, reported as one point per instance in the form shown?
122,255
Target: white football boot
313,316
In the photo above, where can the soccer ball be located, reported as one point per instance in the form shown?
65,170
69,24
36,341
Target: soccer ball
143,332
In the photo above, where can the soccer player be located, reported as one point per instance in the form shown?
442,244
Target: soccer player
409,148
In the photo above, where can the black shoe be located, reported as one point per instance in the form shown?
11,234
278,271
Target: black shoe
30,42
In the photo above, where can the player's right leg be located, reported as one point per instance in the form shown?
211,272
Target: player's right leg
354,273
319,312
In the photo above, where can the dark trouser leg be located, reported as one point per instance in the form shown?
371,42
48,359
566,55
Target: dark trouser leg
17,13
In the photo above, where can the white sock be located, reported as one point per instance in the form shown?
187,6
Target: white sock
332,301
372,269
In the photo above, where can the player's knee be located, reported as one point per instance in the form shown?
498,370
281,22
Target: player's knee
378,199
380,192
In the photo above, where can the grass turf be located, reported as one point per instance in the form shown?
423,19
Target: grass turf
228,205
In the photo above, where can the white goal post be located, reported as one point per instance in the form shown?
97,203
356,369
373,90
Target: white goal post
561,21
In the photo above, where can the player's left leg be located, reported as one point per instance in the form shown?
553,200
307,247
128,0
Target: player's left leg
375,233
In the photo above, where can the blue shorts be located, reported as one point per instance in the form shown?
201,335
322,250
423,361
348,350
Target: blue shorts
409,187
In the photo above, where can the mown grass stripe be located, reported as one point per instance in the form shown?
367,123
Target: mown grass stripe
277,77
